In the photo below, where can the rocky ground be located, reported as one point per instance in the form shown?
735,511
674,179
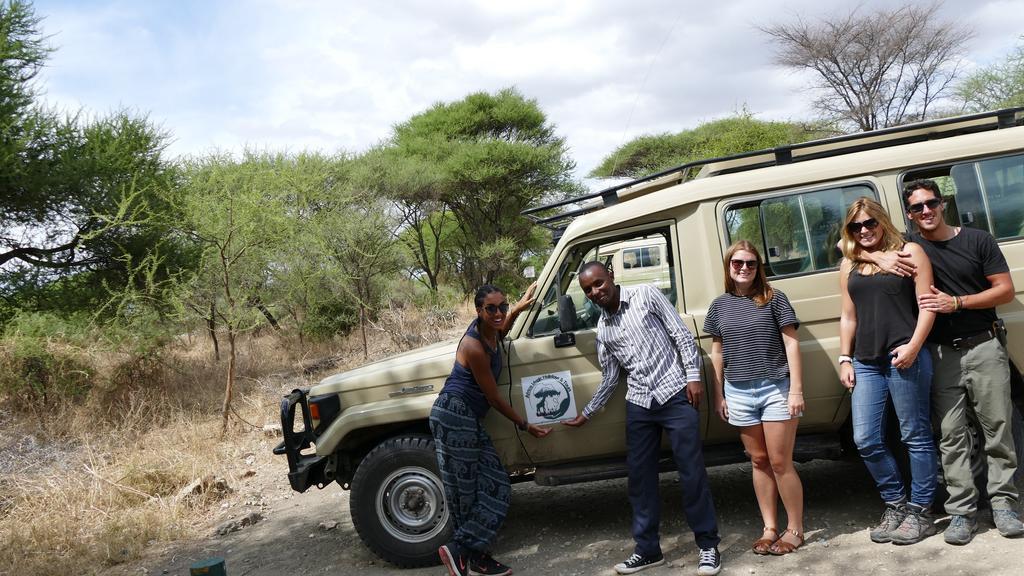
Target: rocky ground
265,529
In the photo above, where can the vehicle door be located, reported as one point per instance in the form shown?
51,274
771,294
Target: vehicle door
546,358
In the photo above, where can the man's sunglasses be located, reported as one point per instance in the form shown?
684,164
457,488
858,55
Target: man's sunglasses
856,227
738,264
919,207
493,309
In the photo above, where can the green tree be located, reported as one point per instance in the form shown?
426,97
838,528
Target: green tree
236,213
493,155
740,133
1000,85
78,194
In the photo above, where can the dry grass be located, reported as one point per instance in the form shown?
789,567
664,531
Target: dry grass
91,483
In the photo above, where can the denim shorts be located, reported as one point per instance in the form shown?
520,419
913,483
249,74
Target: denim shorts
751,402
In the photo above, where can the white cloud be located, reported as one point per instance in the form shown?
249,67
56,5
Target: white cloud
280,74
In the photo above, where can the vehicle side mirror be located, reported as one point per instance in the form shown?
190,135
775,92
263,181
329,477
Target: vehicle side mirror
566,313
566,322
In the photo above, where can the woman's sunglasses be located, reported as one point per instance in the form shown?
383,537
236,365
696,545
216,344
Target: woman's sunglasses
856,227
919,207
493,309
738,264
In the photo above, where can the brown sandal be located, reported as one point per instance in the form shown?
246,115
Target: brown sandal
763,545
781,547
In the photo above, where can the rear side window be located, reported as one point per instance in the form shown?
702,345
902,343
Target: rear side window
983,194
796,233
645,257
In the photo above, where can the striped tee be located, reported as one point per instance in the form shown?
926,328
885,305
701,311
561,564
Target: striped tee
752,347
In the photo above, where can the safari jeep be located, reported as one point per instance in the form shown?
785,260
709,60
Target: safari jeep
366,429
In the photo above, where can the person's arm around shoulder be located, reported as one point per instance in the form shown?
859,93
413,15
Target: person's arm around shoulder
472,351
847,326
906,354
900,262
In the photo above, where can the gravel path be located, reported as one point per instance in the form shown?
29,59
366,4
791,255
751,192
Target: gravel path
584,529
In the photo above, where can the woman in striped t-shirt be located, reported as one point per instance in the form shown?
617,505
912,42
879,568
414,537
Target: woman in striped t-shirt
756,355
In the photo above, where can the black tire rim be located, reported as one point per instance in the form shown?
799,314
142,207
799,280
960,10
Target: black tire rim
410,504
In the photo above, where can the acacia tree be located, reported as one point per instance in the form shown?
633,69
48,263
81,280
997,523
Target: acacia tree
236,213
740,133
76,192
878,69
1000,85
495,155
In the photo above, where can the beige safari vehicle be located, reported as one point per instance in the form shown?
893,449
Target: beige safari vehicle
366,429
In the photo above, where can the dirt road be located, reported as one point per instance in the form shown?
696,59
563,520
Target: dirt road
584,529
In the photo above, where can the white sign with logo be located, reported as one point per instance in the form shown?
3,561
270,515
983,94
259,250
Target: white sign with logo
549,398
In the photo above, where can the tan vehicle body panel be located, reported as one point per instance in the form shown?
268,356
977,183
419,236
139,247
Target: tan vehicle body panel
373,394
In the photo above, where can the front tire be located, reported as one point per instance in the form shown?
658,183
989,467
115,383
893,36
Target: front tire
397,502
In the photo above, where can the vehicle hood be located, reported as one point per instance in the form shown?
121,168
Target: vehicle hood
429,365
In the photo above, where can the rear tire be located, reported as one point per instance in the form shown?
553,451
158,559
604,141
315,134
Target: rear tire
397,502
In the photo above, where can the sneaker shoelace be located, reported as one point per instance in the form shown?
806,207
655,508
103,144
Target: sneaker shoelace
707,556
634,559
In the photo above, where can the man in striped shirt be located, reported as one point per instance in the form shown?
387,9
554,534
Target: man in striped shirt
641,332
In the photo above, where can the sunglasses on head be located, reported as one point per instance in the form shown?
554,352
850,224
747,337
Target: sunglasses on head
738,264
856,227
919,207
493,309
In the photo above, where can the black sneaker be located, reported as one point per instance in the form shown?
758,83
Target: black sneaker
484,565
455,559
710,562
638,562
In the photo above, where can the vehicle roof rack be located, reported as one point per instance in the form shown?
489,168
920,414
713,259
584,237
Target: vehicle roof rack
790,153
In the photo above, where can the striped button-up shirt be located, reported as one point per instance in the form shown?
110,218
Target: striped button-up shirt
648,339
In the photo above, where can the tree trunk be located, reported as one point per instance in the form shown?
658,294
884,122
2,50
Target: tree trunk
258,304
211,326
231,381
362,328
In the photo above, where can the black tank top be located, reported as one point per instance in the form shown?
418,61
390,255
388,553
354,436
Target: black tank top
886,313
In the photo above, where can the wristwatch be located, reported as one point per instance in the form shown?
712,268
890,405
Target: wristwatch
845,358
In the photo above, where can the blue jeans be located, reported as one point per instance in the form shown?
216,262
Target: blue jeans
910,390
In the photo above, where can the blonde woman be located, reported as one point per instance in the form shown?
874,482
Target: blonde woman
882,334
758,387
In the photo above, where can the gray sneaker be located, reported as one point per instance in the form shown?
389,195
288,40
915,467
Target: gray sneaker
891,520
960,530
1008,523
917,525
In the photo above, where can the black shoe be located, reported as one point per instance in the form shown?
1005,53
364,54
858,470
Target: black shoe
638,562
455,559
484,565
710,562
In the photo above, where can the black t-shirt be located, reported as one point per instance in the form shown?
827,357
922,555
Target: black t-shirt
961,266
752,346
886,313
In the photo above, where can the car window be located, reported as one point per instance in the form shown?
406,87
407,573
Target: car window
985,194
795,233
643,257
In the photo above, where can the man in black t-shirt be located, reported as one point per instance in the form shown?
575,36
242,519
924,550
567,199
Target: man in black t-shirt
971,364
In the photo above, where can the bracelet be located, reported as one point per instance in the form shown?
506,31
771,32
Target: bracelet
796,393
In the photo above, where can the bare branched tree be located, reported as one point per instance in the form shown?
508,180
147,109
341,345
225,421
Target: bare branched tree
875,70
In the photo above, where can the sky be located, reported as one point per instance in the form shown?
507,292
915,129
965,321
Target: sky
330,76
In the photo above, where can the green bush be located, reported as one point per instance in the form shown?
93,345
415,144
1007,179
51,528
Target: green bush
42,359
